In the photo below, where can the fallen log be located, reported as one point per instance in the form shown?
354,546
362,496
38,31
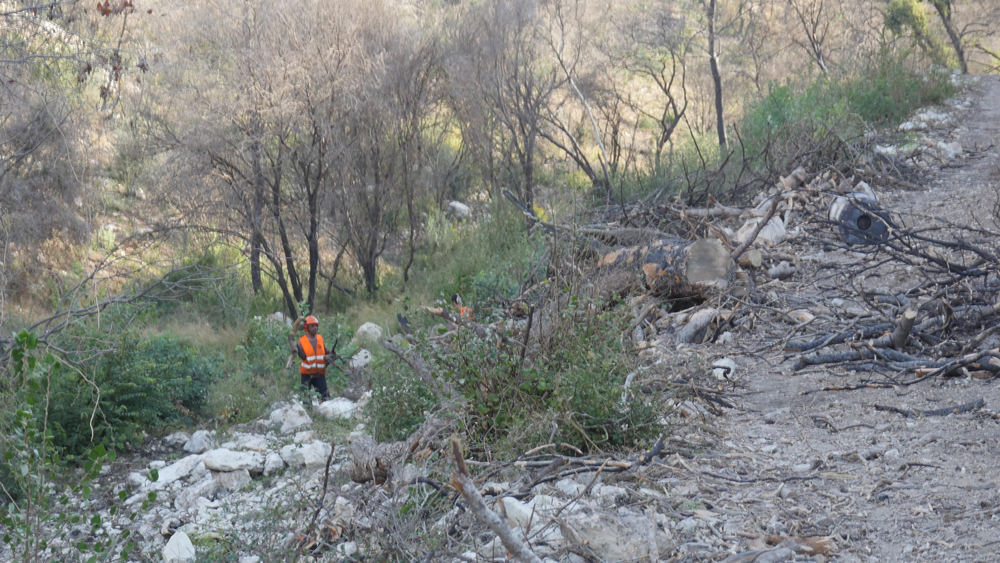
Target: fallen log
860,354
677,268
377,462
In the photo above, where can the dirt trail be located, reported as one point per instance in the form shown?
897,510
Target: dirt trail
932,493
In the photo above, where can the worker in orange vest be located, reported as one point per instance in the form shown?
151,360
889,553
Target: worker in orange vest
315,358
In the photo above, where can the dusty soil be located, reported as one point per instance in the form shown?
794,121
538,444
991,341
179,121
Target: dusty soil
930,490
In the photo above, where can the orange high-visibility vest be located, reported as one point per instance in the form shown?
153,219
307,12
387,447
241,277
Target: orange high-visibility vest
315,362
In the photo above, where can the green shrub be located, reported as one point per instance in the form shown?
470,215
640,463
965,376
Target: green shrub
571,376
140,386
575,374
399,401
47,499
827,111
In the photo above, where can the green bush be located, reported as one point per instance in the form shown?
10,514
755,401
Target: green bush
571,376
46,499
399,400
574,375
826,111
140,386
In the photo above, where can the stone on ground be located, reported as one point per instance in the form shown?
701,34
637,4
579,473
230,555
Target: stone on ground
368,331
200,442
290,417
179,549
226,460
337,408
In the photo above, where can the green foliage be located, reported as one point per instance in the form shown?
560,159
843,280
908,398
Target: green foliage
908,16
572,377
47,500
575,375
399,401
825,111
142,385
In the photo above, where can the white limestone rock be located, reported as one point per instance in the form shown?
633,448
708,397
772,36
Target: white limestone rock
290,418
177,470
368,332
177,440
252,442
206,488
311,456
612,537
200,442
179,549
361,359
232,481
224,460
459,210
273,463
337,408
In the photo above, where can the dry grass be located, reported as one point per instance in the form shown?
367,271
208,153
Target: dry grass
198,333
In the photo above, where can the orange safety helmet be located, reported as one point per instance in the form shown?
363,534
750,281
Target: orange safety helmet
311,320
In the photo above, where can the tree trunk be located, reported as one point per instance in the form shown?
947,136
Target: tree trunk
286,245
279,276
713,61
943,8
368,268
677,268
257,215
313,254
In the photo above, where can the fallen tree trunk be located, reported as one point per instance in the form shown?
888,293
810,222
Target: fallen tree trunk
677,268
377,462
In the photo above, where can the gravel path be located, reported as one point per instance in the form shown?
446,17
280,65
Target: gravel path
928,490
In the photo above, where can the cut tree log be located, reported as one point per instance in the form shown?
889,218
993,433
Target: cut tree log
751,259
903,327
677,268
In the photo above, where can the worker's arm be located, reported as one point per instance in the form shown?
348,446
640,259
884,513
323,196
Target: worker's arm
301,353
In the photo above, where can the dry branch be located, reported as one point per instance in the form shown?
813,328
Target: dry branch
958,409
861,354
461,480
695,325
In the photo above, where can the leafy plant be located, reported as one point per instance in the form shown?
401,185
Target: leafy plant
142,385
46,501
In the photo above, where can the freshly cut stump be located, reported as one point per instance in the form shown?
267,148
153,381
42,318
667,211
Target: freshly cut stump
677,268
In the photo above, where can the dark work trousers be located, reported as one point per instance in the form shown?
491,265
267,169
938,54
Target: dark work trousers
316,381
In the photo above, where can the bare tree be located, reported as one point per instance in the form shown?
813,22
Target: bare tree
653,47
514,83
815,27
52,56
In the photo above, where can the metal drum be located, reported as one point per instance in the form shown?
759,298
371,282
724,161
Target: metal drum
860,218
